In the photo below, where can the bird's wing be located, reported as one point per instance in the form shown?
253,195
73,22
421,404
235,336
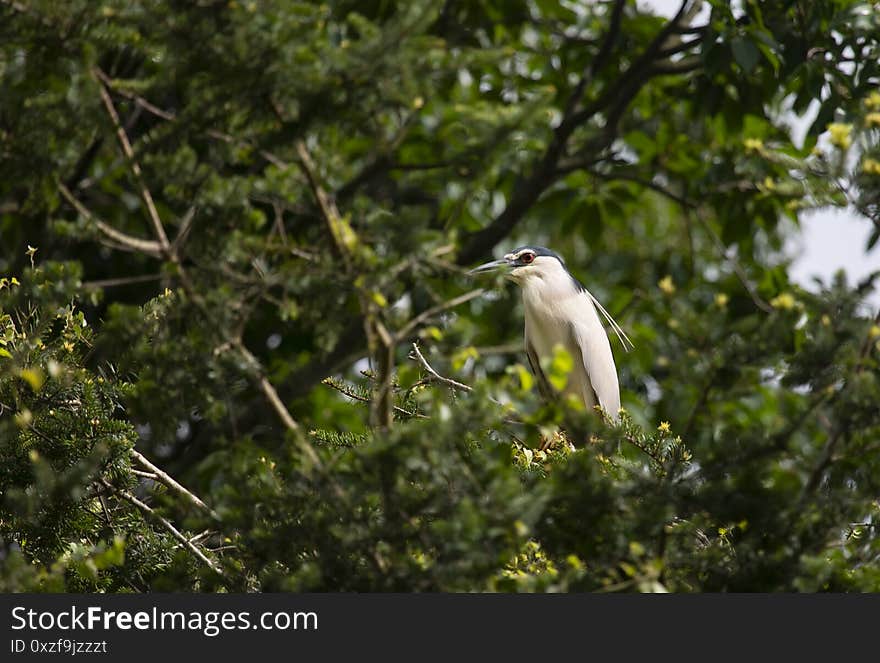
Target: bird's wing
544,387
595,349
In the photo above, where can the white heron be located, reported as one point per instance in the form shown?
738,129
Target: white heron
559,310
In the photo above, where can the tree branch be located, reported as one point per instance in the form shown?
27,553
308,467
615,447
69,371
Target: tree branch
434,310
170,482
187,543
122,137
527,190
689,208
679,67
417,354
145,246
328,208
599,61
269,391
381,408
122,281
170,251
184,230
168,116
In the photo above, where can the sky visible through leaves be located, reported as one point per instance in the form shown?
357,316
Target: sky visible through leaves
830,239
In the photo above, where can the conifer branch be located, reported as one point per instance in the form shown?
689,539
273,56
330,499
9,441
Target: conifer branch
136,244
150,512
169,481
125,144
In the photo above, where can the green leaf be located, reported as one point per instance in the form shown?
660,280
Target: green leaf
745,53
526,379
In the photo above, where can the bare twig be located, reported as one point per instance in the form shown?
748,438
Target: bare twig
381,409
201,535
168,116
125,144
328,208
417,354
185,227
679,47
145,246
170,251
434,310
279,223
140,101
680,67
170,482
278,405
380,341
269,390
121,281
149,511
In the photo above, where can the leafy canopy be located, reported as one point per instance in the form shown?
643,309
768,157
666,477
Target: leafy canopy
238,350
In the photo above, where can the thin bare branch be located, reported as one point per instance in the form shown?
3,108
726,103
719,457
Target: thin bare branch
427,314
146,246
679,47
128,497
278,405
122,281
168,116
380,341
186,224
381,408
170,482
326,204
417,354
278,225
679,67
125,144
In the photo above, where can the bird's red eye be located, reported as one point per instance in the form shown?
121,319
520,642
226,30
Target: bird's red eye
527,258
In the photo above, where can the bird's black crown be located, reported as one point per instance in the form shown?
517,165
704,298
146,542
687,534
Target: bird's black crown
540,251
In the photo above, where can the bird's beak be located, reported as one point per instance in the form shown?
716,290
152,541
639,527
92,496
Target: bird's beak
490,266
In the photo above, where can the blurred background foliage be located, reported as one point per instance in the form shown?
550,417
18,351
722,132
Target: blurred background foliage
225,224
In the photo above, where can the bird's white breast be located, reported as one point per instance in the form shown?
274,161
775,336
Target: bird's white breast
553,304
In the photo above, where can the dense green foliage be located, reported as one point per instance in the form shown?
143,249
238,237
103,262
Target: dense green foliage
225,224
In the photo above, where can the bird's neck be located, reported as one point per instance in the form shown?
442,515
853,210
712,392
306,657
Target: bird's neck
551,289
